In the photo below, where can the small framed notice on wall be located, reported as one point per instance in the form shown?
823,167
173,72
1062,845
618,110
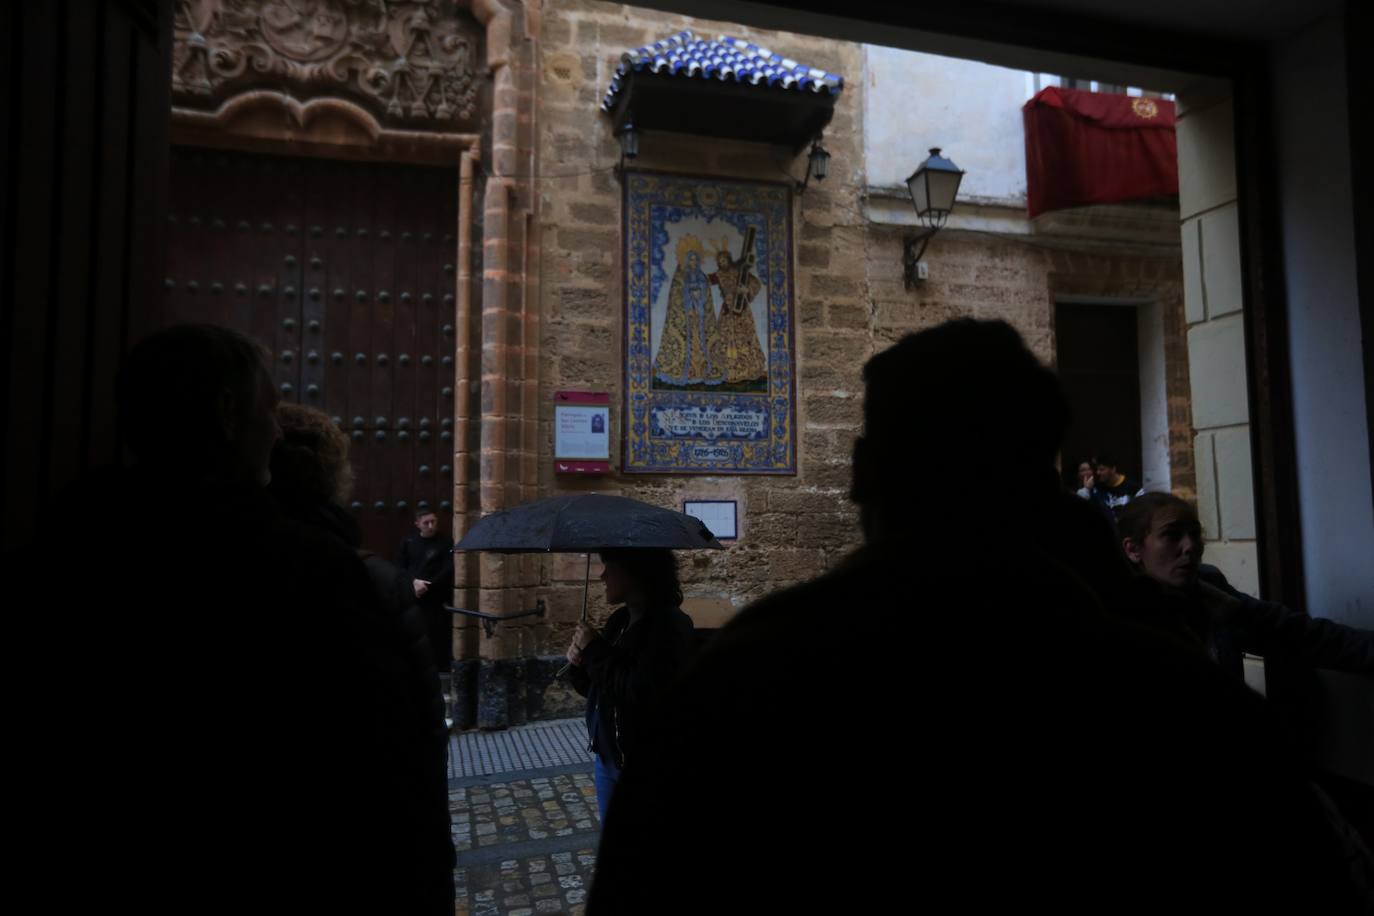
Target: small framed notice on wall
581,432
720,515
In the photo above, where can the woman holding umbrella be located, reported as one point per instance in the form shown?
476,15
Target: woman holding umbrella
625,670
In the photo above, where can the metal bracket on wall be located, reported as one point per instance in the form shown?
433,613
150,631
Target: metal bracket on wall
489,621
913,246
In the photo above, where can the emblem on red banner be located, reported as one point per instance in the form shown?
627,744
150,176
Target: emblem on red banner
1145,108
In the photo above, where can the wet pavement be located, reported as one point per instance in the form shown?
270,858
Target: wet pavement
525,823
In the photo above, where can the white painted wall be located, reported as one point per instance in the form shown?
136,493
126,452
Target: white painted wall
1154,398
1313,150
972,110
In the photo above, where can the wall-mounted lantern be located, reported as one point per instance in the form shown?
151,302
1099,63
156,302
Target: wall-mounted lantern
817,164
628,136
933,187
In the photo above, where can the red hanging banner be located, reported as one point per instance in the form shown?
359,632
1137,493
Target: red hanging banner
1097,148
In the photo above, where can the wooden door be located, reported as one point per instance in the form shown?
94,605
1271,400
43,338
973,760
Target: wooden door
346,272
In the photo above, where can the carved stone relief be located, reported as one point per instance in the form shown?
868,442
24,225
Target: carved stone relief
412,62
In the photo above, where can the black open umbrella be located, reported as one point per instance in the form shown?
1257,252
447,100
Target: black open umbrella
583,523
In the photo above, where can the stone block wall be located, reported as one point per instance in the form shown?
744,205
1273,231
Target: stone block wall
850,302
791,527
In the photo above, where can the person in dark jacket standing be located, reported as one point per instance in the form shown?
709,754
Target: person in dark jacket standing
1111,488
625,671
425,558
1162,538
311,481
216,613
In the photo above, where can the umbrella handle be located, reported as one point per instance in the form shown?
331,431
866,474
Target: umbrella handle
586,584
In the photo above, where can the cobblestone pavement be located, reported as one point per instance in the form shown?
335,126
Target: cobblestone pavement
526,835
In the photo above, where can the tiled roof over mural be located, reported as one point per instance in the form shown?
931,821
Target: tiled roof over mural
721,58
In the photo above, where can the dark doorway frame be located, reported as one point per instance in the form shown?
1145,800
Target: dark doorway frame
1079,361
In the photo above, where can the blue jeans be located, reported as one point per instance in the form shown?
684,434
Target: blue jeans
605,775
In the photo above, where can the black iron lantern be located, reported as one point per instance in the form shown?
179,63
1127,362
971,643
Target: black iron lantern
628,136
933,188
819,160
817,164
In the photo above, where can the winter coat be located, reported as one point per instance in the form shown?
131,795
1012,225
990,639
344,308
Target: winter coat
430,559
625,675
423,739
245,654
1241,623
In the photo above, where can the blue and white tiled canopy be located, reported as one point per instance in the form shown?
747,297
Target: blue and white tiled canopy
722,58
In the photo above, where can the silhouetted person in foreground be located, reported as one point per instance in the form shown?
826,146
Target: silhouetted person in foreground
249,752
952,716
311,481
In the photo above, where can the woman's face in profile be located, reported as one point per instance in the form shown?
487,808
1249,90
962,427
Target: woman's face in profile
1172,551
617,583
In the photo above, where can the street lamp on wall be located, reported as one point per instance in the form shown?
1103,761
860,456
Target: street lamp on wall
817,164
933,187
628,137
629,141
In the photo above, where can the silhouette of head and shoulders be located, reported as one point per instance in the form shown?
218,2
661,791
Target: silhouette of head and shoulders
955,701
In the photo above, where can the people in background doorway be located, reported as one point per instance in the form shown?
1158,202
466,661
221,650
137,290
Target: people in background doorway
1086,479
1162,539
625,670
1111,487
425,557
